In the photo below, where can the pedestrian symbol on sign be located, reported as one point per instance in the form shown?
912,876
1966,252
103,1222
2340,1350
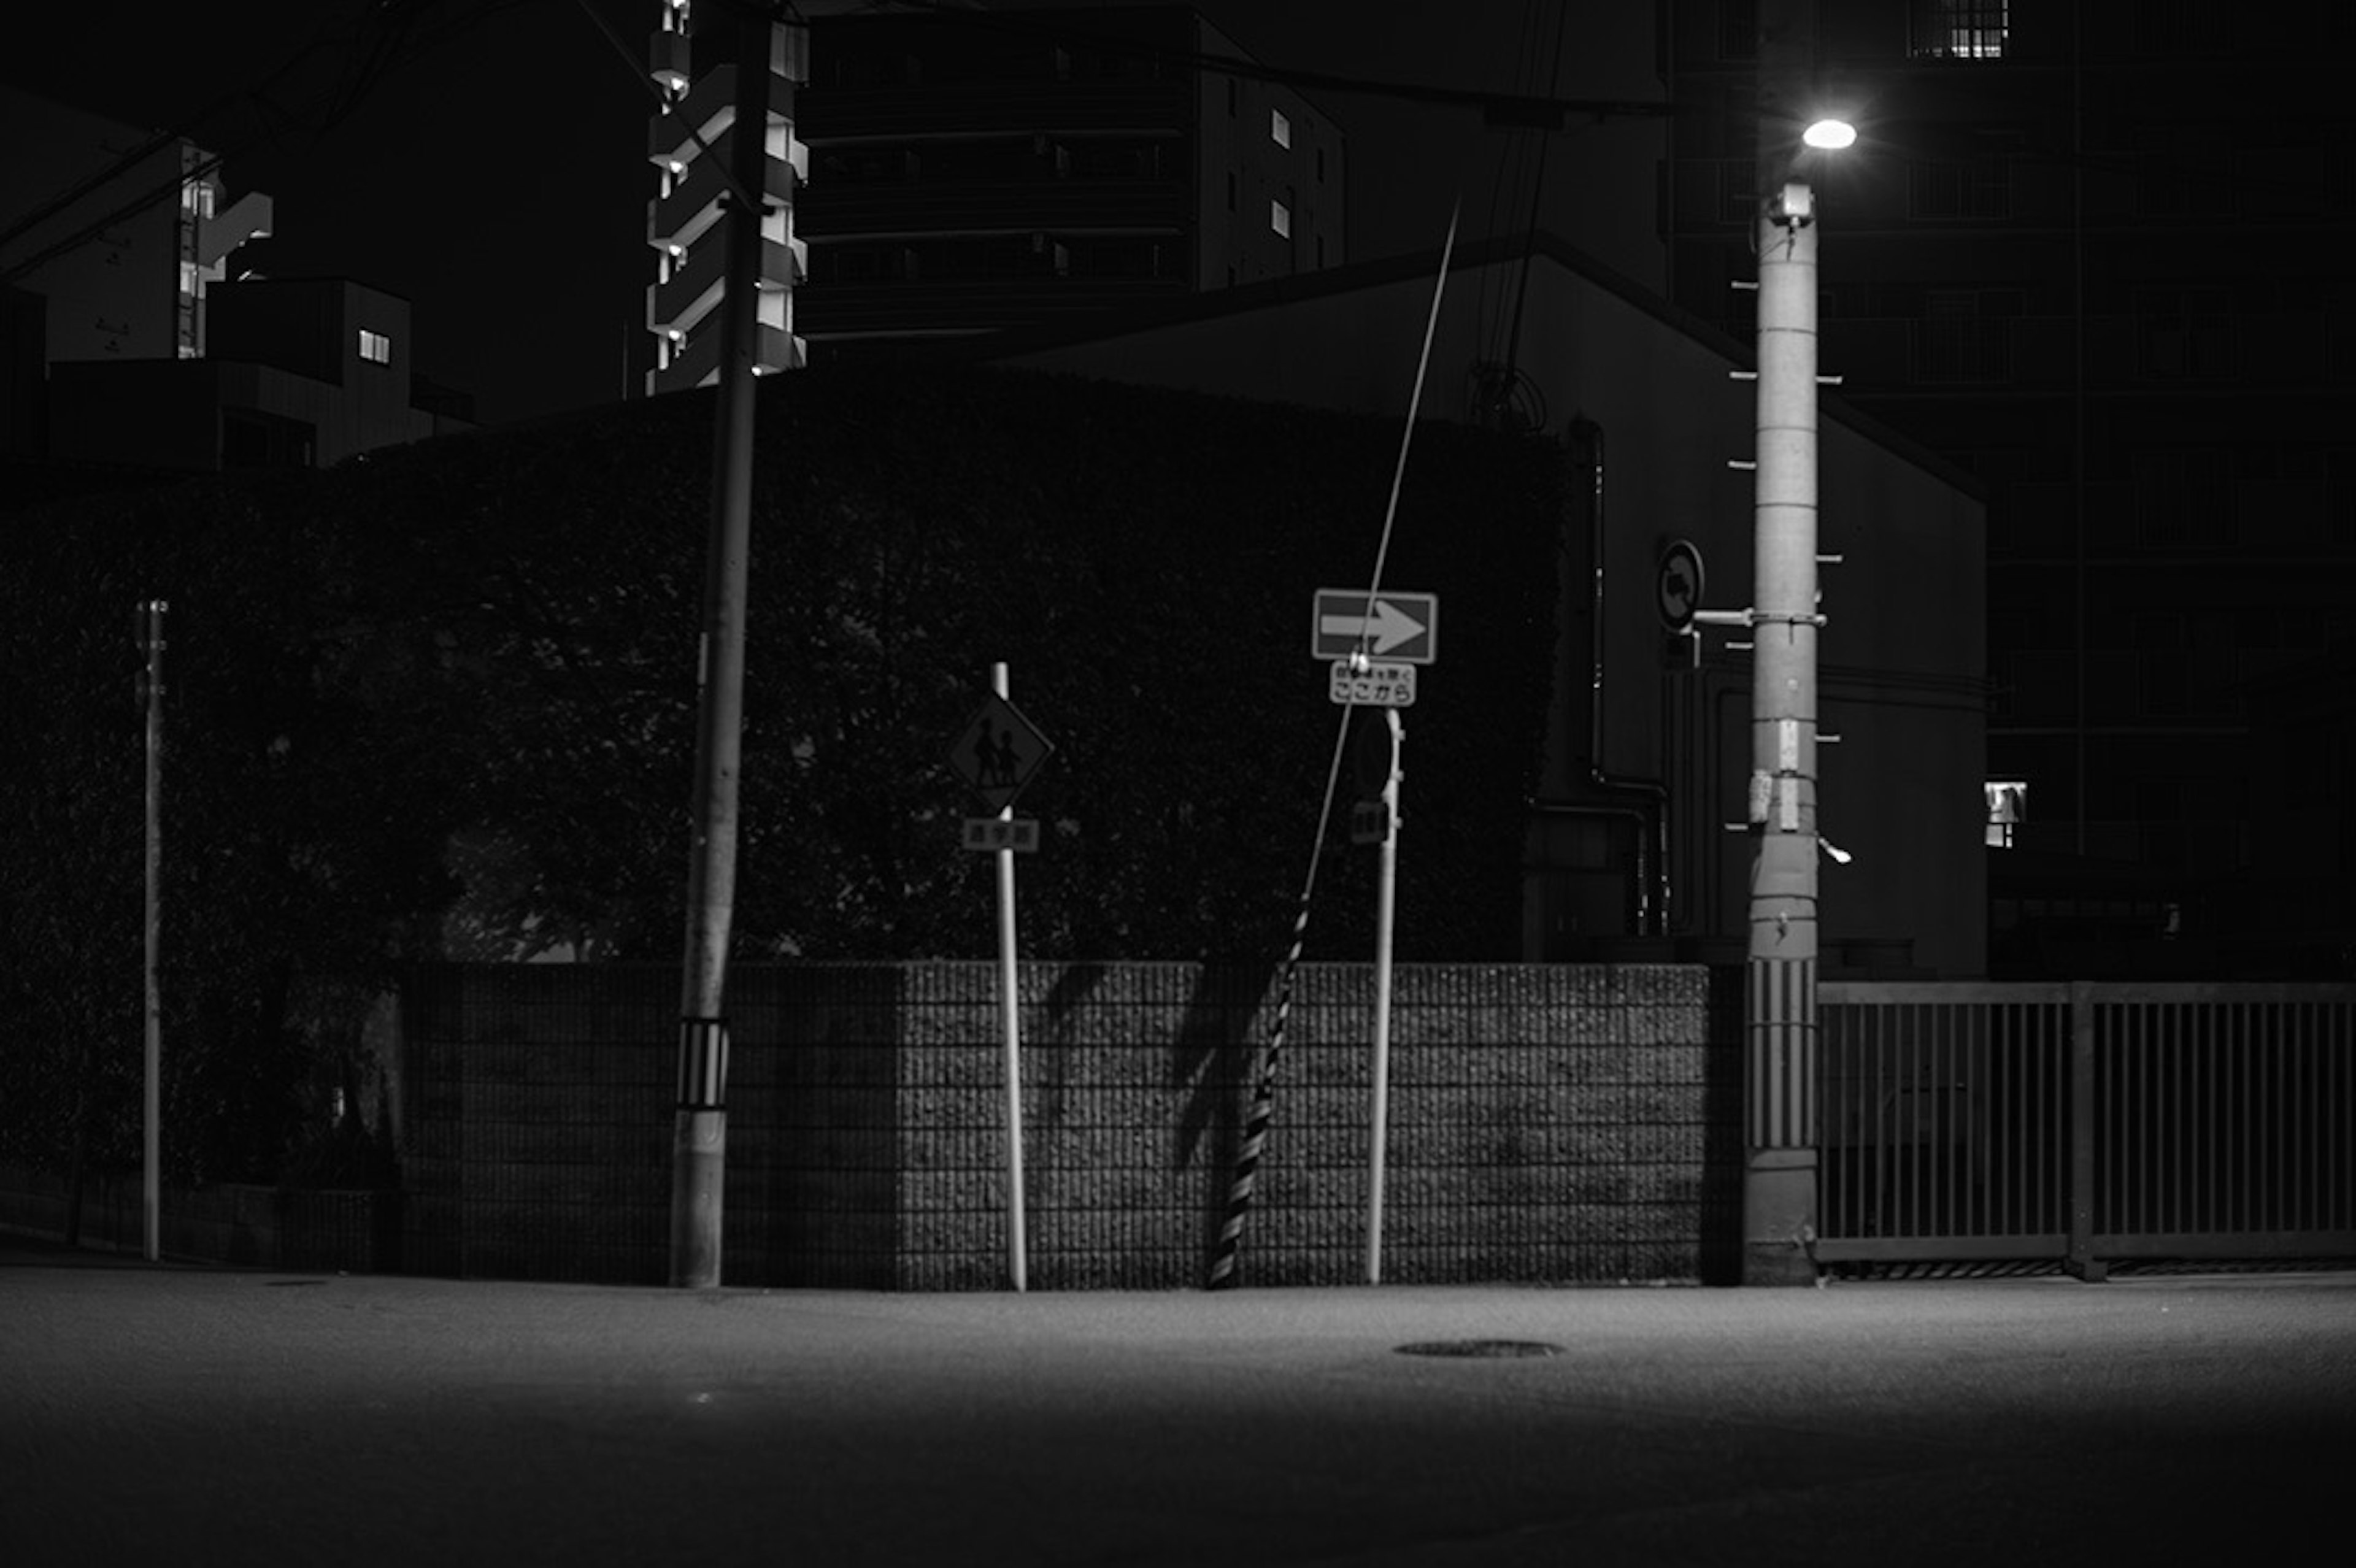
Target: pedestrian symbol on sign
998,752
994,762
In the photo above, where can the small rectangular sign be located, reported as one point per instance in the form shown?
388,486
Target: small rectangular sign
1376,686
1020,834
1370,822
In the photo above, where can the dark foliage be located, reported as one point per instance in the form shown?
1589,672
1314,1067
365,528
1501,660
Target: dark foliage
440,701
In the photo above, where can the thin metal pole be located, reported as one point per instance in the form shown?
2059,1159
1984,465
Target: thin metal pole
1011,1017
700,1125
150,1179
1385,900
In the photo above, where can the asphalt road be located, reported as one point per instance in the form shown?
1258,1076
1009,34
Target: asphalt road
211,1416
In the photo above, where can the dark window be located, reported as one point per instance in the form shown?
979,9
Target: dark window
1977,188
2187,332
1965,334
851,70
252,438
1116,259
1118,158
1737,30
867,166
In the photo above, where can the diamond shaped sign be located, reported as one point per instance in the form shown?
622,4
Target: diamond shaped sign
998,752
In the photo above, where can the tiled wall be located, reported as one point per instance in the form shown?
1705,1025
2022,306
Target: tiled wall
1571,1123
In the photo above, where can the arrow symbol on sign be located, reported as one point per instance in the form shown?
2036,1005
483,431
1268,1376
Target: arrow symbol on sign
1388,626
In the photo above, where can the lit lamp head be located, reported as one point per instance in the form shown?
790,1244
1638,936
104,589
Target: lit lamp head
1795,206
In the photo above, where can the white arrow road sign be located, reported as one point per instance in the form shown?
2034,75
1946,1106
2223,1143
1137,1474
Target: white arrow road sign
1397,625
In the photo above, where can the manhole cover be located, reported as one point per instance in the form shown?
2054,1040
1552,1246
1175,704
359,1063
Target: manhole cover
282,1282
1489,1349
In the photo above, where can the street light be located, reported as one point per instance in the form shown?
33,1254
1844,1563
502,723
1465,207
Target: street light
1780,1113
1830,135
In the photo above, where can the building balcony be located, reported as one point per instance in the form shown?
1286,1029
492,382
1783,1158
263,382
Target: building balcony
924,306
707,110
829,113
249,217
698,363
667,58
697,284
676,222
1044,203
2122,354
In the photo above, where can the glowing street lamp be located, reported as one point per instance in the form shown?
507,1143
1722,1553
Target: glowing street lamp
1830,135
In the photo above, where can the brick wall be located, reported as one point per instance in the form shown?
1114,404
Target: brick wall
1548,1123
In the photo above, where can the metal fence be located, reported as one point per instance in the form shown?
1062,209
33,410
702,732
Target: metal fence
2090,1122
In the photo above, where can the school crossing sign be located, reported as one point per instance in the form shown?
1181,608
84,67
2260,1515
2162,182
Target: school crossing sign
998,752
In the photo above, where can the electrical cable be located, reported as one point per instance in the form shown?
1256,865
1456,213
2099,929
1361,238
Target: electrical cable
1263,1111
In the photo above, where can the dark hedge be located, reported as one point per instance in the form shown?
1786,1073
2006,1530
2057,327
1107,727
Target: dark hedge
439,702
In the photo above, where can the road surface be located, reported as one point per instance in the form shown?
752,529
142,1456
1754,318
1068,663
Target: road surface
215,1415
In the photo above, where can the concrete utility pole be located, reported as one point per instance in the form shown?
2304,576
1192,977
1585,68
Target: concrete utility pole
1779,1186
699,1132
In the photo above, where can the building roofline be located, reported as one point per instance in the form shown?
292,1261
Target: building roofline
1351,277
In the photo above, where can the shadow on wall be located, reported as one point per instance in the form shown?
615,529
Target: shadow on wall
1722,1151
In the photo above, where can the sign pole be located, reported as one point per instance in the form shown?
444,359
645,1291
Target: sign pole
151,1178
1385,900
1010,1015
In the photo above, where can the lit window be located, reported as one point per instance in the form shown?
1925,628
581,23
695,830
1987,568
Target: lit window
1279,218
2008,808
1279,129
1960,29
375,347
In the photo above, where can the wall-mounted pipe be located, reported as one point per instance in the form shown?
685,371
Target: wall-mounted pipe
1652,911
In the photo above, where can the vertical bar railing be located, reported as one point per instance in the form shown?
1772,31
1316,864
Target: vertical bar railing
2082,1261
2091,1122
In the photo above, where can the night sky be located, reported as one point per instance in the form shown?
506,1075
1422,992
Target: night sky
494,171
